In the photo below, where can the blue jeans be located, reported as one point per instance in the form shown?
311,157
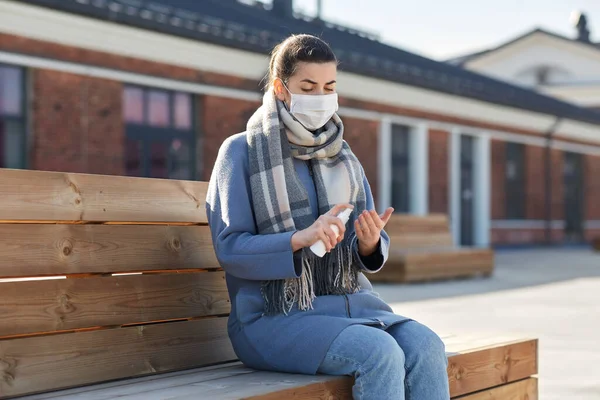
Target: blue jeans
405,362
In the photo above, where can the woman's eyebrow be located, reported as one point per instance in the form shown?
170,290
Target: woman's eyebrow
314,83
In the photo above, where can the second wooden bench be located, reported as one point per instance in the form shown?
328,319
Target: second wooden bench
422,249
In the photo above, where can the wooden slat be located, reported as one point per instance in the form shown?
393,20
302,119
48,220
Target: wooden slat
31,250
262,386
416,223
523,390
468,343
55,305
333,388
485,367
487,363
256,385
147,384
430,264
411,231
415,241
448,264
57,196
42,363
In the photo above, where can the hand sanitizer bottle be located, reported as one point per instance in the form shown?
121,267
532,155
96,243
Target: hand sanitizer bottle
319,247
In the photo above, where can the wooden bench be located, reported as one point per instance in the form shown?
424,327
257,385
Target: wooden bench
422,249
109,287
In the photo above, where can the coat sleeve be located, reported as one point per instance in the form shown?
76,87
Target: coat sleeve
374,262
241,251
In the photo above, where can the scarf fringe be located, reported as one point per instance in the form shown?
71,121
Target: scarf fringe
334,274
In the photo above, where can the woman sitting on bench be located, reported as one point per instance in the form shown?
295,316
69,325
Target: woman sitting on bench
275,191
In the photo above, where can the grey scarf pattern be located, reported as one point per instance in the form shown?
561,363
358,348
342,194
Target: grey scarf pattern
281,203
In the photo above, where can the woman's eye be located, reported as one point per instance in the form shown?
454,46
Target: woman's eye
306,90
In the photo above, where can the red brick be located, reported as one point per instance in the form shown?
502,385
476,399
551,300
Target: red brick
220,118
362,136
77,121
558,193
498,184
439,142
592,187
524,236
535,183
592,234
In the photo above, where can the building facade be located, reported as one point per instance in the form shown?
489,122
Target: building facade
567,68
142,89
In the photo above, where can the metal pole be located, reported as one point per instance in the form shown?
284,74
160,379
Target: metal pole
320,9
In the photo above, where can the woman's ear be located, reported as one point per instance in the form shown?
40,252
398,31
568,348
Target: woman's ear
279,89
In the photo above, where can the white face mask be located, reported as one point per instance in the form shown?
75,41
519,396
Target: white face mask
313,111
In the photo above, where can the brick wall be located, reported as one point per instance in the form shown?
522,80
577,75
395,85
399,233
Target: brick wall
498,184
592,187
77,123
523,236
220,118
439,142
362,136
558,194
592,234
535,180
535,183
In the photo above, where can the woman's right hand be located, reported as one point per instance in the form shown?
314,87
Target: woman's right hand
320,230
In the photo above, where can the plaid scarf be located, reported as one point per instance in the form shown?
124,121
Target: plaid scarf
281,202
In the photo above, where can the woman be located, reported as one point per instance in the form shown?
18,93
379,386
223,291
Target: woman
275,191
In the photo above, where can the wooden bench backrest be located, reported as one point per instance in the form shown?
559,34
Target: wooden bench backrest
139,289
411,231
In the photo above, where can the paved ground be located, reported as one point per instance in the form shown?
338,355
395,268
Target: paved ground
550,294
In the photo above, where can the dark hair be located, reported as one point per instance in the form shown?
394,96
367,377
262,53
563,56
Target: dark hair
297,48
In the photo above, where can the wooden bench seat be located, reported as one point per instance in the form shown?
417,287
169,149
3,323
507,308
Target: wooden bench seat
113,282
479,368
422,249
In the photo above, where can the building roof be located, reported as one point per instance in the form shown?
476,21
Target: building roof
252,28
463,59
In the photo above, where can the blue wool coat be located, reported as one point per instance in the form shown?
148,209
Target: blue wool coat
299,341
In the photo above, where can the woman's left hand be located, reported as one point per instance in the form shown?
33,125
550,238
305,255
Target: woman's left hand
368,227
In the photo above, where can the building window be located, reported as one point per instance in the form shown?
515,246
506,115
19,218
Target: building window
401,168
515,181
160,133
13,146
